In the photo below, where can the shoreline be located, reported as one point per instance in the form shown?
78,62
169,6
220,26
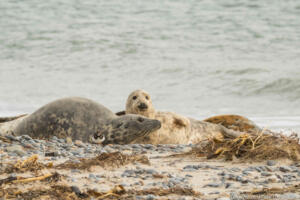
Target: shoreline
139,171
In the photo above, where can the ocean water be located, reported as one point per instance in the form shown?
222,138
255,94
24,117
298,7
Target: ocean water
198,58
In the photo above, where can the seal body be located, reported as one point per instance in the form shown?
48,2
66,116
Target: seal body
83,119
176,129
235,122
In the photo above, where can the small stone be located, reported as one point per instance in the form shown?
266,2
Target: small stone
92,176
223,198
61,140
79,143
75,171
295,169
235,169
151,171
290,196
227,185
215,185
258,169
284,169
77,191
52,154
271,162
251,169
270,169
234,196
25,137
150,197
17,149
266,174
54,138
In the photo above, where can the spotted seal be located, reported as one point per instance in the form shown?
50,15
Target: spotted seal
83,119
176,129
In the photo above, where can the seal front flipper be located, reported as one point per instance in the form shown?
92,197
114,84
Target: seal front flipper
180,121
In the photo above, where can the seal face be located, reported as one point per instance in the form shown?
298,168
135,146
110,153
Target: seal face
85,120
139,102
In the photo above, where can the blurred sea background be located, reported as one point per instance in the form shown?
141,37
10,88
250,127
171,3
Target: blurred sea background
198,58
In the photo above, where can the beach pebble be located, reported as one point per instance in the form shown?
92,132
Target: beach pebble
271,162
294,169
79,143
25,137
52,154
235,196
150,197
227,185
223,198
266,174
17,149
235,169
215,185
284,169
289,196
222,173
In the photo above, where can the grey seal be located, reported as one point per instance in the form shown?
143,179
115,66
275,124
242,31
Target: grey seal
83,119
176,129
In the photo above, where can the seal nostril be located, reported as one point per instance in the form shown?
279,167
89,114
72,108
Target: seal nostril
143,106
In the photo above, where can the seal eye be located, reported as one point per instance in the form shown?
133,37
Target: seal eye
134,97
147,97
97,139
140,119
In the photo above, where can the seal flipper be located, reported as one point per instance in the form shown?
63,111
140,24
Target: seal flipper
7,119
120,113
180,121
229,133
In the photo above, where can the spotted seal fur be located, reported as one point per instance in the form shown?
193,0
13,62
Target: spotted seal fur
83,119
176,129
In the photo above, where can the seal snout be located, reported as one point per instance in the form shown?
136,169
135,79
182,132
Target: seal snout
156,124
142,106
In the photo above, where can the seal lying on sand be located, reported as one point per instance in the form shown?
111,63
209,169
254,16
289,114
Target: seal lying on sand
83,119
175,129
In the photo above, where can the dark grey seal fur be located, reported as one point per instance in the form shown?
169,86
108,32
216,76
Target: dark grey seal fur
83,119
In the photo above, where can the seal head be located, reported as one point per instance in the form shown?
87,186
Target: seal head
139,102
125,130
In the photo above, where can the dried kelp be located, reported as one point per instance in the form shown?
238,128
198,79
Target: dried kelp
254,147
105,160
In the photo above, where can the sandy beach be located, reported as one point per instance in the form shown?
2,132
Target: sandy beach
55,169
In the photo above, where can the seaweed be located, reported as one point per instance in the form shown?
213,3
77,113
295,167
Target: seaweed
104,160
30,164
265,145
